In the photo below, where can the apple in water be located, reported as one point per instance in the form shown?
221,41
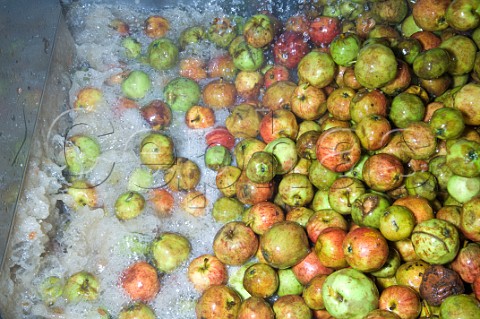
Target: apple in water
290,48
205,271
169,251
137,310
81,286
140,281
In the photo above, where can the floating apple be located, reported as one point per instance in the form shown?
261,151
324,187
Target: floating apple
205,271
169,251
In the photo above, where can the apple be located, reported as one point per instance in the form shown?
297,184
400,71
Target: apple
263,215
278,123
365,249
291,306
308,102
324,29
88,99
129,205
81,154
181,93
316,68
218,301
244,121
462,15
156,26
193,68
120,26
284,245
343,192
430,15
402,300
296,190
469,219
235,243
459,306
222,66
259,30
436,241
249,192
328,248
245,148
51,288
221,31
226,179
226,209
83,194
465,101
376,65
290,48
368,208
289,284
169,251
390,266
312,294
191,35
137,310
310,267
248,84
199,117
274,74
162,54
194,203
81,286
383,172
140,281
162,201
279,95
397,223
261,280
301,215
183,175
438,283
217,156
206,270
255,308
220,136
338,149
323,219
411,273
219,94
245,56
284,150
349,294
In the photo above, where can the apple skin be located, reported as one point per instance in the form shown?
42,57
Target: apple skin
349,294
218,302
402,300
365,249
205,271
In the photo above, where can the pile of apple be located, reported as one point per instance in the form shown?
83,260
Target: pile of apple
348,166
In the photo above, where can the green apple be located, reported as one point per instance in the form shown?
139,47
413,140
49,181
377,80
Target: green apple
81,286
169,251
129,205
349,294
81,154
136,84
182,93
288,283
162,54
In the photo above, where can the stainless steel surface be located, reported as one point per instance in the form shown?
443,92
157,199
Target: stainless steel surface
26,40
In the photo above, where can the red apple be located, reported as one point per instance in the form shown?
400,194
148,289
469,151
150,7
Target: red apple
220,136
308,102
278,123
323,219
255,308
162,201
276,73
290,48
140,281
199,117
205,271
365,249
235,243
221,67
310,267
251,193
467,262
324,29
263,215
383,172
402,300
338,149
193,68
